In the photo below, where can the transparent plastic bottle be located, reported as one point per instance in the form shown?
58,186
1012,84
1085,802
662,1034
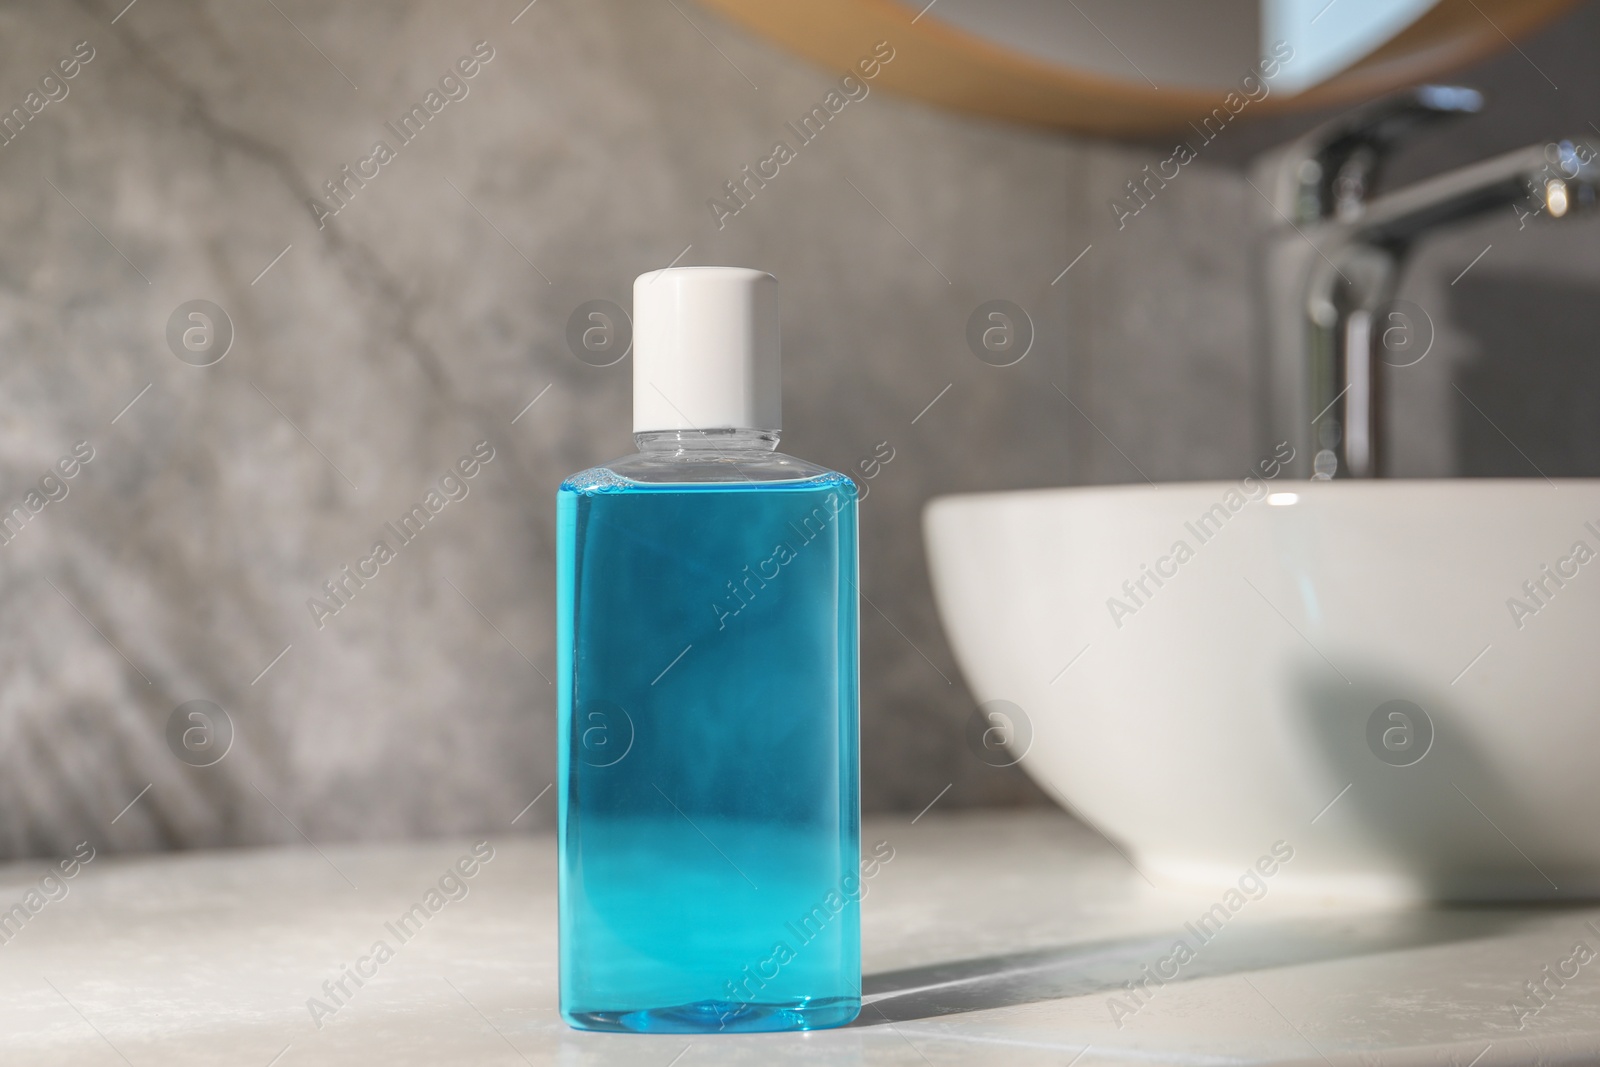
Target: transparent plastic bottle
707,633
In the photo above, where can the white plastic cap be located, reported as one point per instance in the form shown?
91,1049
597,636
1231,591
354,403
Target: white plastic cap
705,350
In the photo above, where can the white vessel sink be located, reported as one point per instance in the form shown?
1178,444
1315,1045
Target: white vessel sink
1249,698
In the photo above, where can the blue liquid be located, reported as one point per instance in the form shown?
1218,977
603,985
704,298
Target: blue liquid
709,826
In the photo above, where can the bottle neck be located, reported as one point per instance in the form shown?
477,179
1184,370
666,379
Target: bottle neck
709,442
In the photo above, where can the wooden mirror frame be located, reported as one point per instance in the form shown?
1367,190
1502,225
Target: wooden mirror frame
942,65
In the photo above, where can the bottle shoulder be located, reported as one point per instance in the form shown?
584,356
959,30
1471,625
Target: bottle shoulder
728,470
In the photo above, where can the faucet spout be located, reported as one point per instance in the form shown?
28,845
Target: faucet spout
1554,179
1332,277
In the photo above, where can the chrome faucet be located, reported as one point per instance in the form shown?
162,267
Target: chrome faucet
1334,256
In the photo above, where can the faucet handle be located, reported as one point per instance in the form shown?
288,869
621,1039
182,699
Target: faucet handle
1329,172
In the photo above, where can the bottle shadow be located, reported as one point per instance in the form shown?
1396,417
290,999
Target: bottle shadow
1105,967
1445,816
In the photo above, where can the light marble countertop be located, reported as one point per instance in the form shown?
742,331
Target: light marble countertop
990,938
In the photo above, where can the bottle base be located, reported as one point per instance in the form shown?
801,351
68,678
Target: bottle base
722,1016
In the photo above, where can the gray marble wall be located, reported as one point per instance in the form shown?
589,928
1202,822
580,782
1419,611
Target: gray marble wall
374,347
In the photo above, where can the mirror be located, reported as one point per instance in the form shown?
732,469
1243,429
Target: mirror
1137,67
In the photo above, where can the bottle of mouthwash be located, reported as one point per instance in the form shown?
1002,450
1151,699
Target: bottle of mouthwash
709,814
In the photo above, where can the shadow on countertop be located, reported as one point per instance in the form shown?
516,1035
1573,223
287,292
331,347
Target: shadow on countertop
1105,967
